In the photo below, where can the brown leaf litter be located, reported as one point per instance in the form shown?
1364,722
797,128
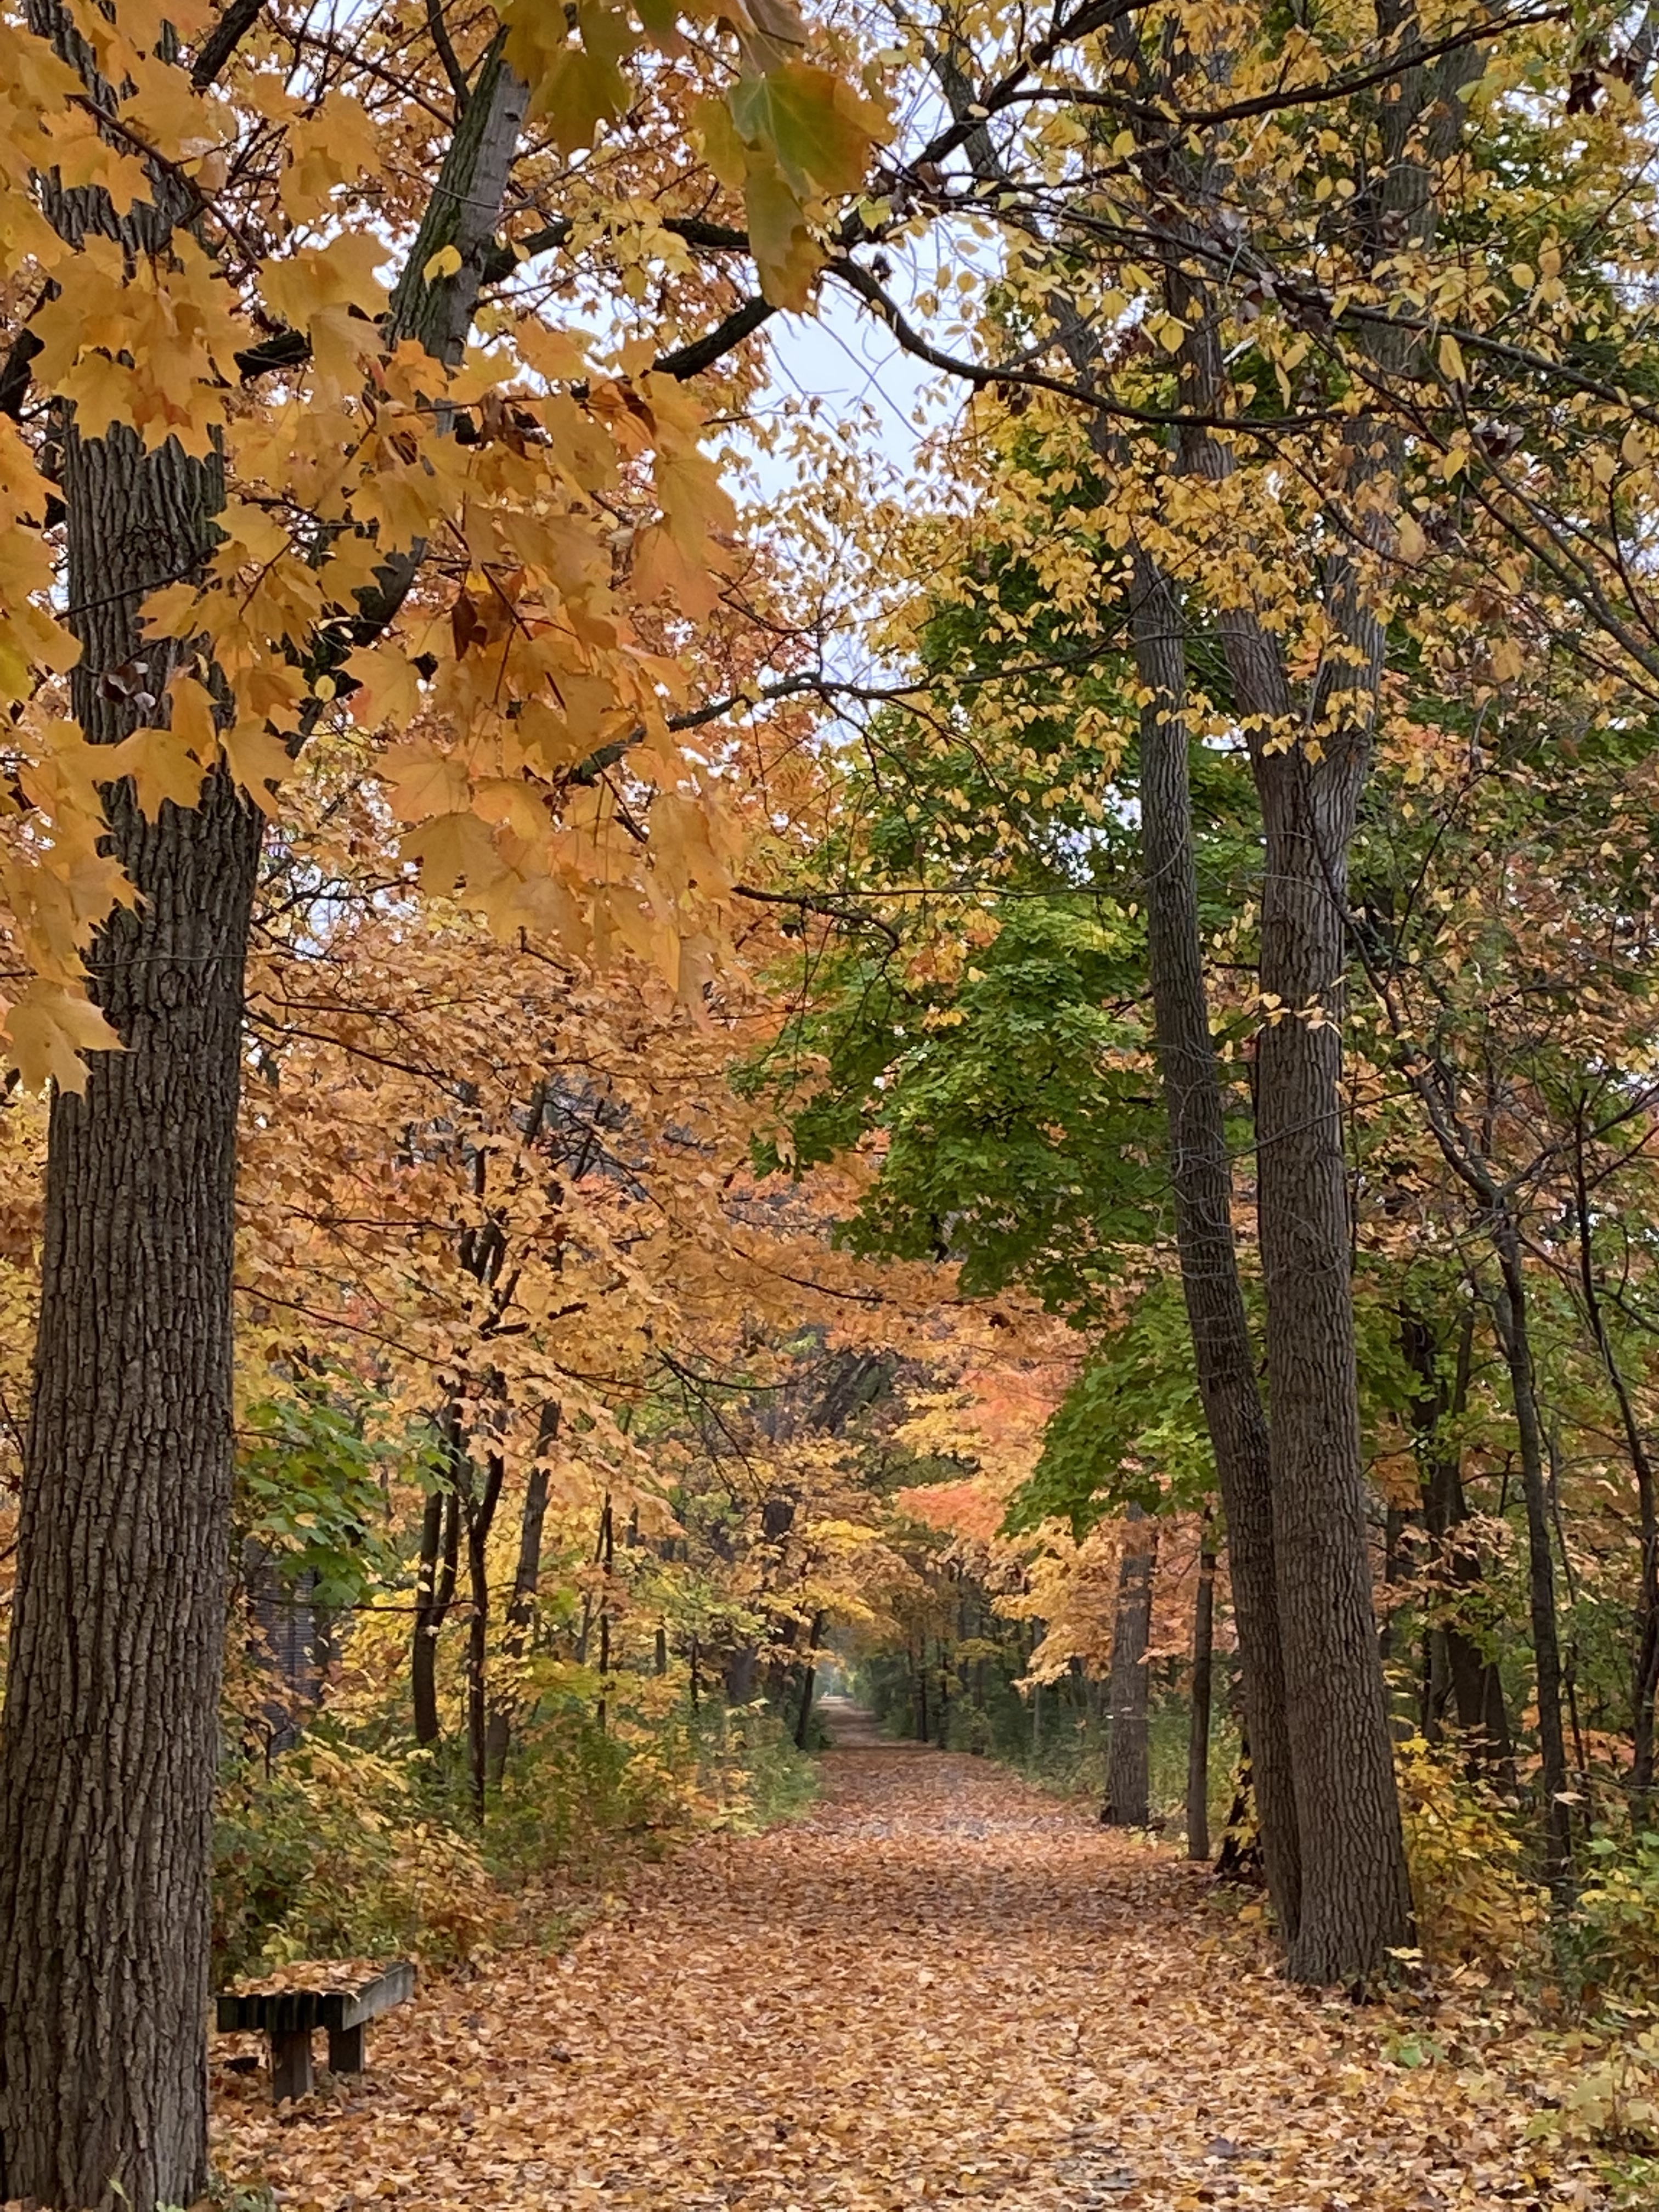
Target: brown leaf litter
941,1986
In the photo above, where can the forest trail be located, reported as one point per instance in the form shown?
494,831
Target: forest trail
851,1727
940,1987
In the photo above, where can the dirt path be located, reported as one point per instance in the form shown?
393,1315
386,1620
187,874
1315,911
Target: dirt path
852,1728
940,1987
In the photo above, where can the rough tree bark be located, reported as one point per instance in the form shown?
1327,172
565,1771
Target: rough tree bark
1201,1173
1355,1896
110,1750
1128,1771
110,1746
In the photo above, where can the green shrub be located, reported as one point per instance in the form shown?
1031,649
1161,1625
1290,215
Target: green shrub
1614,1932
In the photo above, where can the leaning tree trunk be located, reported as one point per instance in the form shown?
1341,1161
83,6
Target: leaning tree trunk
1201,1174
110,1749
1128,1778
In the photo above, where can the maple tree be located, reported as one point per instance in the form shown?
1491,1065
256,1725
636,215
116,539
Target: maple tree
259,484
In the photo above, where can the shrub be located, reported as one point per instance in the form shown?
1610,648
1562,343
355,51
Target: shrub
1476,1904
1615,1930
332,1852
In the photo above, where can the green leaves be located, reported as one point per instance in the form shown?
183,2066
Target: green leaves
1131,1430
818,129
310,1484
790,134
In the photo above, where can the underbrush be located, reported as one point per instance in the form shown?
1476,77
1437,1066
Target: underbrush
330,1850
1479,1907
349,1845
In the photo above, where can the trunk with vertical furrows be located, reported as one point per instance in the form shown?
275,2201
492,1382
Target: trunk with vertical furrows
110,1747
1201,1175
109,1753
1128,1766
1355,1896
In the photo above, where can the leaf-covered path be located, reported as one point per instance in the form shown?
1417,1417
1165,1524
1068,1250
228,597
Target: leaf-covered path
940,1987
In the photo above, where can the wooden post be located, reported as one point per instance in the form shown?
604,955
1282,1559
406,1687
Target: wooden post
290,2063
347,2049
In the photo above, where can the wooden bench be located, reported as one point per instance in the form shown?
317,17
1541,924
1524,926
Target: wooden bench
289,2016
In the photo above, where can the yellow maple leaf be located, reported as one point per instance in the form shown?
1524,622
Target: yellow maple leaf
48,1029
103,391
388,688
453,850
424,782
256,759
170,764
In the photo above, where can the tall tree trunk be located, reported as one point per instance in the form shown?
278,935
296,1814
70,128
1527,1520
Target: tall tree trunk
1128,1771
1514,1337
1356,1893
110,1750
481,1518
434,1593
1355,1896
520,1611
1198,1740
1201,1175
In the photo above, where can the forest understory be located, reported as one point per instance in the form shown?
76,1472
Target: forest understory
940,1986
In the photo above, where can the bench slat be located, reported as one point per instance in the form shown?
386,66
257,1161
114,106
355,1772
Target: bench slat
292,2012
